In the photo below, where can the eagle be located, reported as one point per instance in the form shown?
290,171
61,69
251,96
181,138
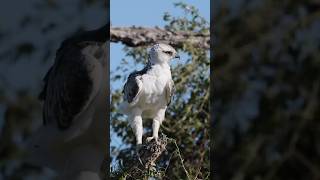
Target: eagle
72,140
148,92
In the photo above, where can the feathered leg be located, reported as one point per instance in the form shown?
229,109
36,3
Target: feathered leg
135,120
157,120
136,125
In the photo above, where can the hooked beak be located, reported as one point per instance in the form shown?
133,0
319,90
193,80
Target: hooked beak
177,56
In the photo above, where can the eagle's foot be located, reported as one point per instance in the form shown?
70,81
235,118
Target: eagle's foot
151,138
138,148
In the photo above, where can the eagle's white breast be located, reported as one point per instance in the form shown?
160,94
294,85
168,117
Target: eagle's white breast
153,89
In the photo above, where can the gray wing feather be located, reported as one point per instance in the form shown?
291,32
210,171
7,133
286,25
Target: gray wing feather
169,89
132,88
67,89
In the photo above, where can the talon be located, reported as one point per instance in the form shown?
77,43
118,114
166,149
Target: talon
138,147
151,138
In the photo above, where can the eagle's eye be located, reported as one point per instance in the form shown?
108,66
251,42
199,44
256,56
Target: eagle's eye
168,52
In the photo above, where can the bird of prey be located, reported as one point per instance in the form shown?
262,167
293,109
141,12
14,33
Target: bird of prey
148,92
72,140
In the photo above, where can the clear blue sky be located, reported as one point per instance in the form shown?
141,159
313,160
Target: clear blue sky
147,13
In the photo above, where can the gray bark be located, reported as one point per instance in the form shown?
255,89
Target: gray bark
143,36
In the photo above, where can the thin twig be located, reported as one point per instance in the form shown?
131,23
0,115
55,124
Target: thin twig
180,157
168,163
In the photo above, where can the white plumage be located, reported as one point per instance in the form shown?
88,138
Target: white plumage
148,92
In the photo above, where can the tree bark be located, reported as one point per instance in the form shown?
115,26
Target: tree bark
144,162
143,36
148,154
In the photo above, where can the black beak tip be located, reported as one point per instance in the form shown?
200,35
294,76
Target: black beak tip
177,56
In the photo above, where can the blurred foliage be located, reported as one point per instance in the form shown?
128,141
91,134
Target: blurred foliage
19,115
32,35
187,117
266,90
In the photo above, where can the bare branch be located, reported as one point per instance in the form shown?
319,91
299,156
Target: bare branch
148,155
142,36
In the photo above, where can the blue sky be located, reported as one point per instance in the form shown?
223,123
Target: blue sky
147,13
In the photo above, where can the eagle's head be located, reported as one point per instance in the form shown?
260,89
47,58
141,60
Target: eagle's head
162,53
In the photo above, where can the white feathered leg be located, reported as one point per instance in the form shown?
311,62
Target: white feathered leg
156,124
136,124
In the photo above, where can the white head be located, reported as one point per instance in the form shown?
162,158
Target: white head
162,53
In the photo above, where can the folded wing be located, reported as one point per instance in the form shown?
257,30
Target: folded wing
169,90
132,88
70,86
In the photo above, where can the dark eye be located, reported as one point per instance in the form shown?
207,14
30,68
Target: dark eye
168,52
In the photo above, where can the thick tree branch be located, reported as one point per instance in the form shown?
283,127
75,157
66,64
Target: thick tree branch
141,36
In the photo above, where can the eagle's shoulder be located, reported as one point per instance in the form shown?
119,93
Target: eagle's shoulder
132,87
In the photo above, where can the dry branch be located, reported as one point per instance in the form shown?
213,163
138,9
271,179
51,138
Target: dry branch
140,166
142,36
148,154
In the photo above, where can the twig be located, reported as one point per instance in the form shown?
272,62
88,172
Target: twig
180,157
199,169
168,163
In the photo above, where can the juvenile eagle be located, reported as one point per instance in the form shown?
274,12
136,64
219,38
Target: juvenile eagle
148,92
72,140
